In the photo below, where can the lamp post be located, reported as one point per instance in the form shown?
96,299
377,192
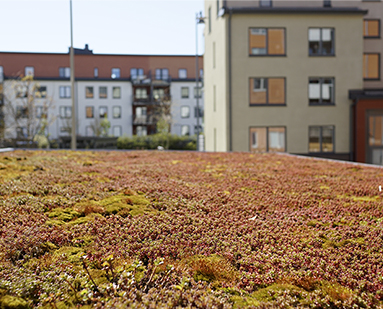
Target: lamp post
199,20
73,130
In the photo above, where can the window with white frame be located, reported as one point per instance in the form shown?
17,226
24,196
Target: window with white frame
162,74
65,111
89,92
115,73
116,92
117,131
41,92
197,93
182,73
185,130
184,92
95,72
21,111
64,72
136,73
103,111
141,93
116,111
29,71
185,111
102,92
321,91
64,92
89,112
141,131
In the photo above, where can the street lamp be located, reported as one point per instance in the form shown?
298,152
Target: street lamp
73,131
199,20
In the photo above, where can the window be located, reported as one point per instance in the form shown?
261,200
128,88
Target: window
321,139
95,72
65,111
89,131
200,114
89,111
116,92
115,73
371,65
217,8
103,111
375,132
65,129
184,92
1,74
213,55
65,91
321,42
117,131
141,93
265,3
162,74
21,91
102,92
214,98
371,28
116,111
197,93
263,139
321,91
182,73
136,73
141,131
158,93
64,72
209,19
29,71
41,92
267,91
185,130
327,3
21,132
89,92
21,111
41,112
185,111
267,41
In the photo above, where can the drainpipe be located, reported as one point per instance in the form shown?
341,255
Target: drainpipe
352,129
230,86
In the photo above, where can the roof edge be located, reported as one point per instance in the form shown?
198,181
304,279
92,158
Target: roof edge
295,10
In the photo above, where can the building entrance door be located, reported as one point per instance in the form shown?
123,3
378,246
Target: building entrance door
375,138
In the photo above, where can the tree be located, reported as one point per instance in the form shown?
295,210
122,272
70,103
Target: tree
100,128
26,109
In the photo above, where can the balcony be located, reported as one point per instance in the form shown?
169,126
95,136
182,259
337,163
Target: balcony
148,100
155,79
143,120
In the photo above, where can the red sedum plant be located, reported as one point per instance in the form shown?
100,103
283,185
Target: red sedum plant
154,229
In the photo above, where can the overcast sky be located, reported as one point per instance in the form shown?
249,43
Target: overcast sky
108,26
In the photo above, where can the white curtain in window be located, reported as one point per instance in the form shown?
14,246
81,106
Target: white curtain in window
314,35
326,35
276,140
185,130
314,91
326,90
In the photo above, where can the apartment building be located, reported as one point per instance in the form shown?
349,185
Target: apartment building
128,90
294,76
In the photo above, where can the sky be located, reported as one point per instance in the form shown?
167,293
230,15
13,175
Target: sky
160,27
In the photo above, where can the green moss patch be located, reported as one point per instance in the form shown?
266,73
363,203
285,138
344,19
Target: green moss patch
12,302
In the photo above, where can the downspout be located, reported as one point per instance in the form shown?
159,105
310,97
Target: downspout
352,129
230,86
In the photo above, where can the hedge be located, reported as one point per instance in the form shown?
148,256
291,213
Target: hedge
173,142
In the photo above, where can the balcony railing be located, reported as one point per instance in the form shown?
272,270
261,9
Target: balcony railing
157,79
143,120
155,100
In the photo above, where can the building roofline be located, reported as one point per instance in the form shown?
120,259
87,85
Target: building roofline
295,10
93,54
356,94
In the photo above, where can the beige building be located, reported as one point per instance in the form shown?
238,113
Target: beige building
278,74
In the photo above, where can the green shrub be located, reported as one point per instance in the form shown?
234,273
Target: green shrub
175,142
